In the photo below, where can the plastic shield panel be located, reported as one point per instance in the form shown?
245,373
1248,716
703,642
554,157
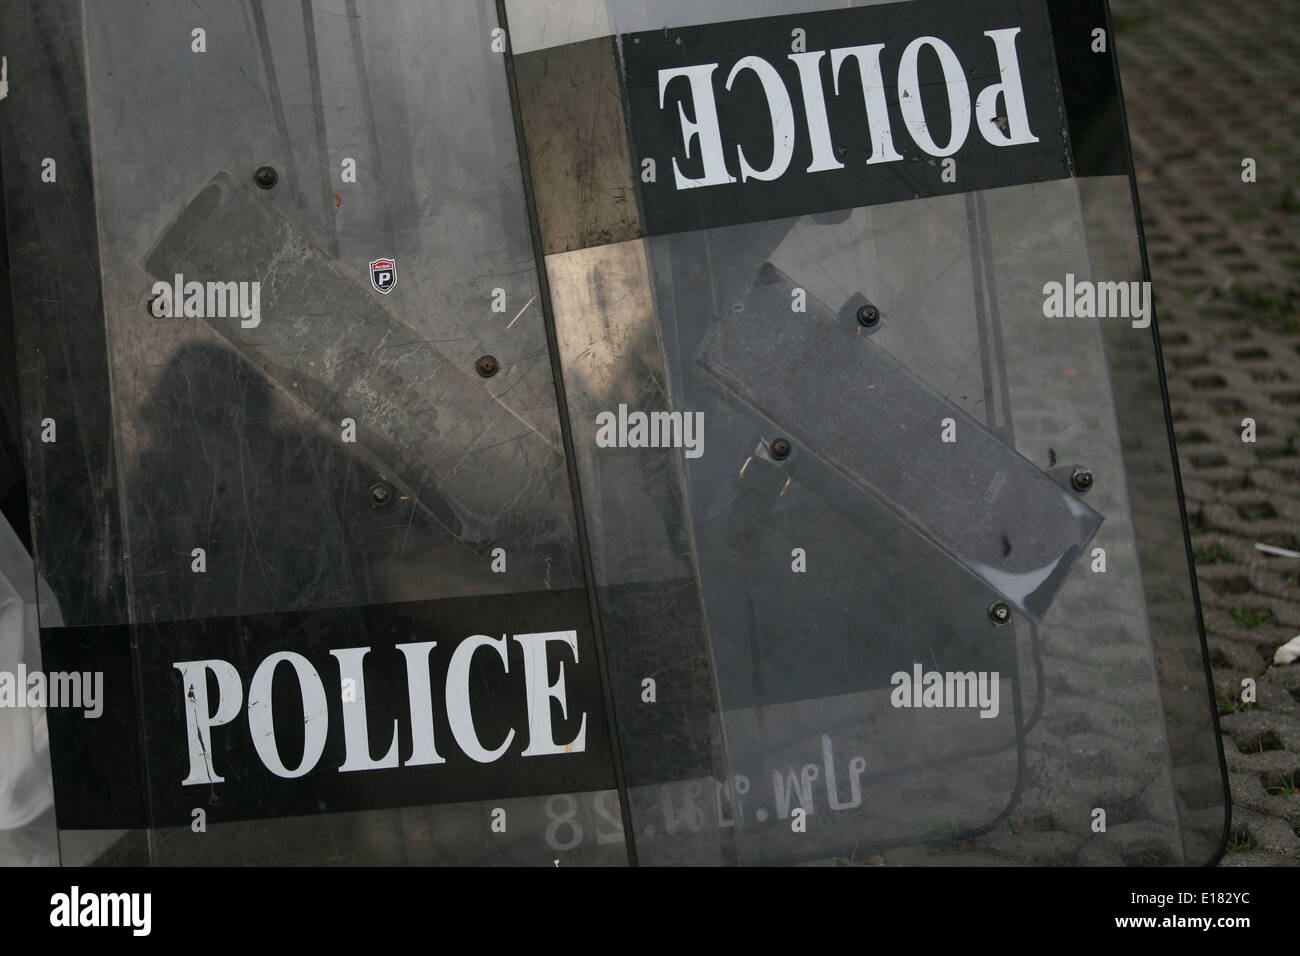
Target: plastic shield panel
598,432
351,622
918,518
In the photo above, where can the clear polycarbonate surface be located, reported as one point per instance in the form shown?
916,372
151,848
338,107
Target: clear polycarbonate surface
364,365
861,496
326,439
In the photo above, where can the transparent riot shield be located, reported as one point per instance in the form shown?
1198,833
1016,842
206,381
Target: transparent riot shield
924,542
598,432
330,575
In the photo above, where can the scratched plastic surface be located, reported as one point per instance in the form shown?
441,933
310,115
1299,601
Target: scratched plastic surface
773,688
262,440
475,462
809,581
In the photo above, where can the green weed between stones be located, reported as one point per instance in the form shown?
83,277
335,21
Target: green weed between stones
1229,702
1281,784
1247,616
1242,841
1273,312
1214,554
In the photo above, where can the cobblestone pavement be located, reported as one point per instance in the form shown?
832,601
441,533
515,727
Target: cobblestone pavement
1208,84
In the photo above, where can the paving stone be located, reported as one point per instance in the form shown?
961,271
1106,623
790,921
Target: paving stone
1225,263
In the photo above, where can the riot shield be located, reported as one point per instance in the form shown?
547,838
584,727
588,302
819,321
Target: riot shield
378,484
600,432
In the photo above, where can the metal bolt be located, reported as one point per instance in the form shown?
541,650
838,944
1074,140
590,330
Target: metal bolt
780,448
265,176
1081,480
868,315
487,365
381,492
999,613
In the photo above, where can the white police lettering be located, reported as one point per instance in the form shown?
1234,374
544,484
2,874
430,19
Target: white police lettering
542,677
703,147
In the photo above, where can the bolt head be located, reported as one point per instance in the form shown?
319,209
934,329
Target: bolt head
780,448
999,613
1081,480
381,492
868,315
265,177
487,365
